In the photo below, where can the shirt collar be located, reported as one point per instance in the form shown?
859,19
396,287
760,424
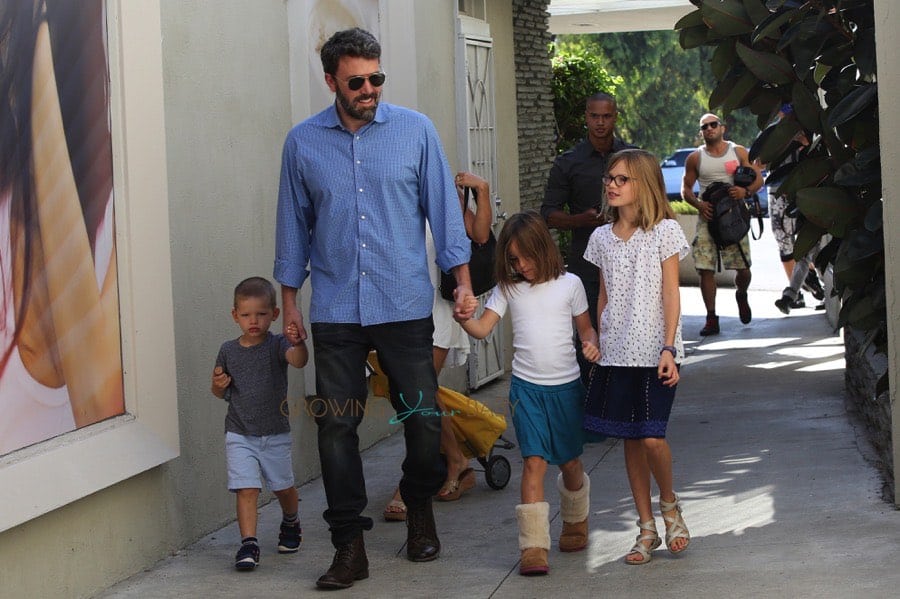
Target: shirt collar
330,119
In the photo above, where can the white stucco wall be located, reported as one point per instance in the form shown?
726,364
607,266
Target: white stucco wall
887,39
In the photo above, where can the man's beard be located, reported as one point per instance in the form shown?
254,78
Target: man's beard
366,114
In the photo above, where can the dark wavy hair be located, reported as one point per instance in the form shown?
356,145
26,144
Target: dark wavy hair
356,42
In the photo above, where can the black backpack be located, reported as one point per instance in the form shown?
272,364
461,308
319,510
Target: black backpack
731,217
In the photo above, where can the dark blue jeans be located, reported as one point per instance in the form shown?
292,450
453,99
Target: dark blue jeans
405,354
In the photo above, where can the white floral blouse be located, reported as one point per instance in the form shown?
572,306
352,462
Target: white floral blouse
632,325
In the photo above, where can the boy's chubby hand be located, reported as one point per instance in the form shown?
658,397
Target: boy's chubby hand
220,381
292,332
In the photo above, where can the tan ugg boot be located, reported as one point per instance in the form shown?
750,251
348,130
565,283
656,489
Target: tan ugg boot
574,507
534,537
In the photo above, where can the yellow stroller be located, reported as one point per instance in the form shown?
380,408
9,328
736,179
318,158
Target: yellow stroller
477,428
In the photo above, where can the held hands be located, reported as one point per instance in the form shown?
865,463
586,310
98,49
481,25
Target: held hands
591,351
292,333
293,328
466,304
666,370
220,381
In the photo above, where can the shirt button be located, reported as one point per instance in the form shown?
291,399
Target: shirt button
363,217
358,162
360,189
364,245
363,273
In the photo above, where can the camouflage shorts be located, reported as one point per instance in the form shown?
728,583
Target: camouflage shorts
706,255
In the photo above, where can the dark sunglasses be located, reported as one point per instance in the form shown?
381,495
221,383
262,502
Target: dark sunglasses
703,127
376,79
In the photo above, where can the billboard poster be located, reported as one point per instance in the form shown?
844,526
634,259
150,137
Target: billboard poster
60,343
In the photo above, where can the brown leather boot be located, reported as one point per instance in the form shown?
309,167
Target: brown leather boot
422,543
574,507
350,563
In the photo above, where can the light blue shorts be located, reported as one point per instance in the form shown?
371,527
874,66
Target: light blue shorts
548,419
249,457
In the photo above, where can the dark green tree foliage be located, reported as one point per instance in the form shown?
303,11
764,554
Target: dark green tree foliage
819,56
663,88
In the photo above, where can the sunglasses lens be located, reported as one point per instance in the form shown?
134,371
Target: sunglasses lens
376,79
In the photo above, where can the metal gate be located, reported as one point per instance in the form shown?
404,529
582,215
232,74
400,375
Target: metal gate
478,154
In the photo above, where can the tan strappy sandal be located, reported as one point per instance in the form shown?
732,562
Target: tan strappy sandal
675,526
650,535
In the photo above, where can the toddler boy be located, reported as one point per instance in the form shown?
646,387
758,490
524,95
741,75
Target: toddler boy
251,375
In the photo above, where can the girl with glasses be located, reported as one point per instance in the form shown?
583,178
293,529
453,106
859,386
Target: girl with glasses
639,324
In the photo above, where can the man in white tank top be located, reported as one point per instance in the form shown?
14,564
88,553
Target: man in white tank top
717,160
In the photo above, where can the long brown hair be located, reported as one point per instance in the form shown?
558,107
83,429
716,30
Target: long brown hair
529,231
649,187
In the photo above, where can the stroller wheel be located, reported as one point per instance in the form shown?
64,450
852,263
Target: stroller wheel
497,472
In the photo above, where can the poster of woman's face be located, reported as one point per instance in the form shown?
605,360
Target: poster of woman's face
60,344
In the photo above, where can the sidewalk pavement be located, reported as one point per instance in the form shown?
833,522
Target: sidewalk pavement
777,491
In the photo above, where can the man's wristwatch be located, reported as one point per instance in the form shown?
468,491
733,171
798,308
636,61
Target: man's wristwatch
671,349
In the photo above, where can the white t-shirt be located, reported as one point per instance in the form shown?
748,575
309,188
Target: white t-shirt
632,325
543,352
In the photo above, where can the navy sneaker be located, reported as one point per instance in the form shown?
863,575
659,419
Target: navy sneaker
289,538
247,557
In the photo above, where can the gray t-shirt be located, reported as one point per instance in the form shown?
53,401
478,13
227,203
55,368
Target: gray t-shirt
257,395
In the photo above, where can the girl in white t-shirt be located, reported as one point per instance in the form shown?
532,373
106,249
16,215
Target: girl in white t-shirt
546,394
639,320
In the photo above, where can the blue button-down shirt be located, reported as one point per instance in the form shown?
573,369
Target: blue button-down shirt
352,207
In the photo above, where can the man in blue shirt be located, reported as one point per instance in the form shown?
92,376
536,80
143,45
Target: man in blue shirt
358,181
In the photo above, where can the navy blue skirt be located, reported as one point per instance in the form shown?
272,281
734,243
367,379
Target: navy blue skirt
627,403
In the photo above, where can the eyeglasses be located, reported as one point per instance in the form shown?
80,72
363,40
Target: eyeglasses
356,82
620,180
703,127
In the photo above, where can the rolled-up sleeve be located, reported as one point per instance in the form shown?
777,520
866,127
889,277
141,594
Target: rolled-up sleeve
441,204
292,225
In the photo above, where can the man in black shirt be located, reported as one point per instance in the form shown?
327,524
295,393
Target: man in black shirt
574,195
